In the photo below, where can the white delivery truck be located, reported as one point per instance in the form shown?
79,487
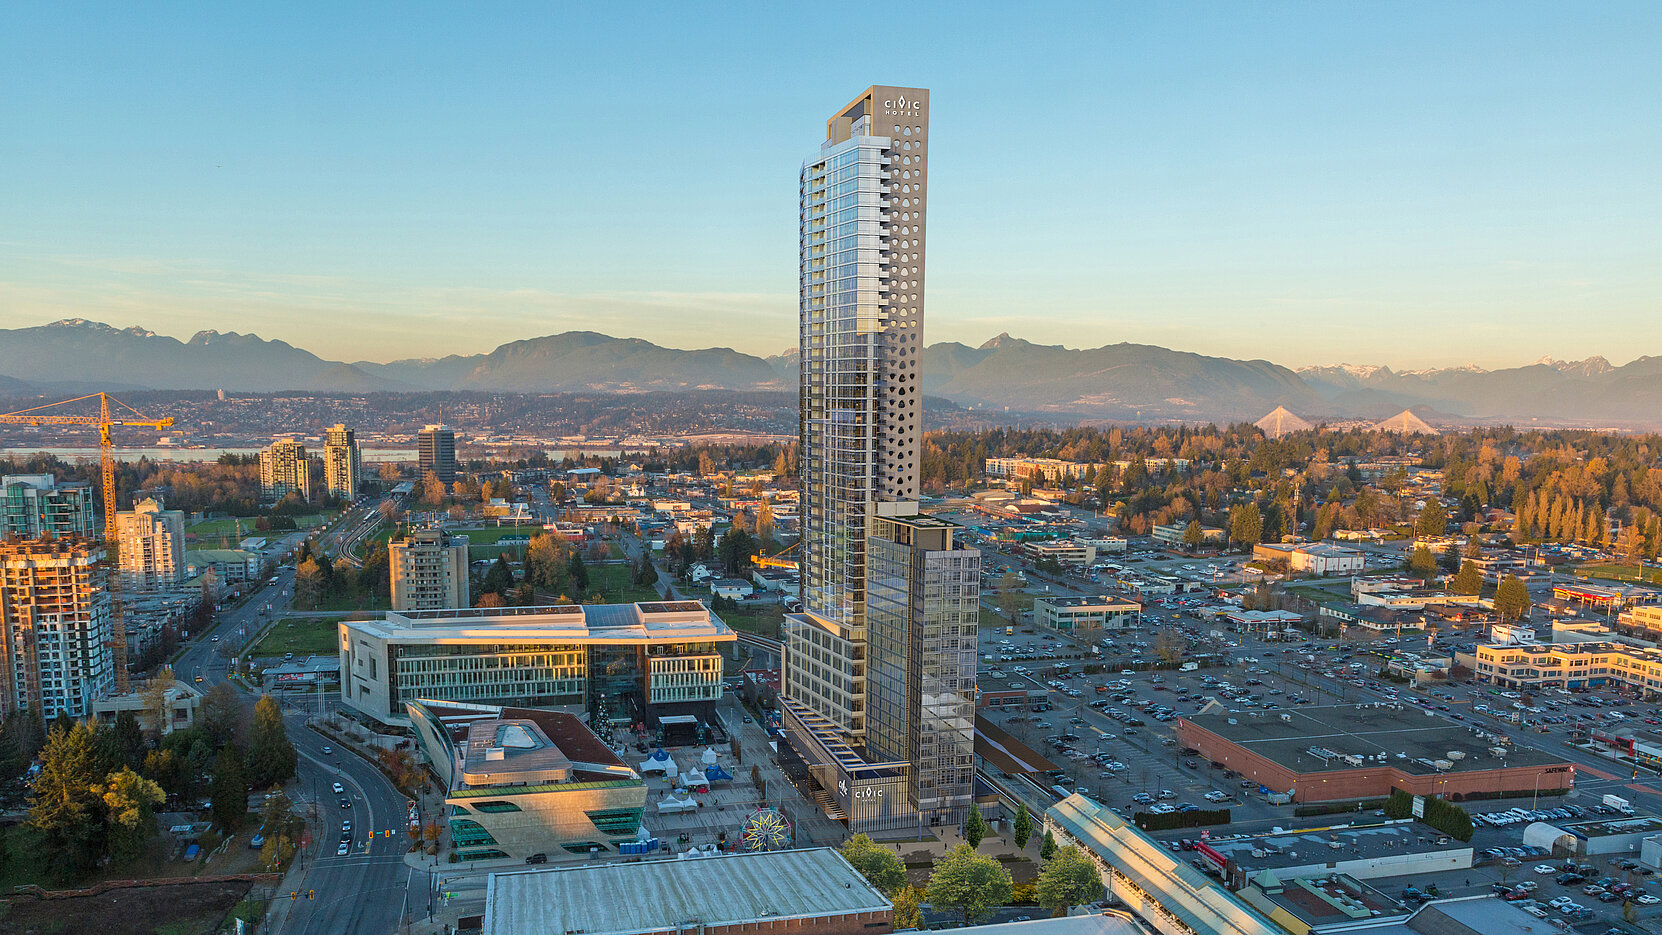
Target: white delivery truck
1619,804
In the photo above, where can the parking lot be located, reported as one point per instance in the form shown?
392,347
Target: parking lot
1110,731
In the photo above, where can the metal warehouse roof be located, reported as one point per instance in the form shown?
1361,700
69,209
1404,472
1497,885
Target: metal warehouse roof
665,895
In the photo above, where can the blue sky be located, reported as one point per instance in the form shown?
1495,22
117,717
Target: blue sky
1411,184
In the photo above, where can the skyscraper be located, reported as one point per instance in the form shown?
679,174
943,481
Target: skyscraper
340,462
55,626
882,660
436,451
285,469
152,545
35,505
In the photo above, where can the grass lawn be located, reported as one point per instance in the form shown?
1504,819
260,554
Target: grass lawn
299,635
21,842
222,526
1315,593
1610,572
348,604
487,535
994,619
613,581
762,620
208,533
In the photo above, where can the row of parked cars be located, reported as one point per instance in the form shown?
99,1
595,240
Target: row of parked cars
1513,816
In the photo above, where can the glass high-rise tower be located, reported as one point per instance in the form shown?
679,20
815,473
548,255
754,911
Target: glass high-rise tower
885,648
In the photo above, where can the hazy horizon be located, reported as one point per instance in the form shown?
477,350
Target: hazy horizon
1412,186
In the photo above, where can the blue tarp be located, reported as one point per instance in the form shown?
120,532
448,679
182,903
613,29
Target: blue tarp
717,774
660,755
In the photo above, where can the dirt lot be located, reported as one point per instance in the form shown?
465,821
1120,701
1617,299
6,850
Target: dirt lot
186,909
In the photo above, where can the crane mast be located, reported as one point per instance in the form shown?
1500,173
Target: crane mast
106,456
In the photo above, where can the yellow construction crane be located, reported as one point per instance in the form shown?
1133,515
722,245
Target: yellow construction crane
106,452
777,559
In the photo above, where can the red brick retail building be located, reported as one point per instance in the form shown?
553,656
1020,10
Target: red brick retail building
1341,752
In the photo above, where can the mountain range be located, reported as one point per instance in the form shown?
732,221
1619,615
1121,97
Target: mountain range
1131,382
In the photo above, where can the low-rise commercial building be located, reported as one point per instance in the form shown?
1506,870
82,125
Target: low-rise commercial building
1320,558
229,566
1066,551
813,891
1172,534
1341,752
1367,853
1646,617
1313,558
1069,614
520,782
428,568
634,660
1588,664
1051,470
1496,567
160,707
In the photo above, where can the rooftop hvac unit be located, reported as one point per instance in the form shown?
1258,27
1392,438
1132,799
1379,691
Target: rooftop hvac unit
1353,759
1498,751
1443,764
1457,754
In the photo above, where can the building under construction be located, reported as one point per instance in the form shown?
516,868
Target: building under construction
56,636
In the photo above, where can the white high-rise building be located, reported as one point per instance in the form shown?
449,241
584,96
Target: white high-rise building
152,543
882,660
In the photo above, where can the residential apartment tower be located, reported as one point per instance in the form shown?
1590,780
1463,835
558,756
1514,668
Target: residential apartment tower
340,462
881,662
285,469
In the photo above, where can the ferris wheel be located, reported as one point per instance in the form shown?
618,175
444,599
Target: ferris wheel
766,830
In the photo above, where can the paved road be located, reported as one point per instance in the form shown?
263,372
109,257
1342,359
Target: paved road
371,890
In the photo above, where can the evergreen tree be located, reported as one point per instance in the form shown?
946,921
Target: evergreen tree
130,803
1469,580
975,827
1047,849
500,578
1022,828
271,757
126,741
1422,562
1433,520
1512,599
12,760
1246,524
578,573
229,791
66,801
